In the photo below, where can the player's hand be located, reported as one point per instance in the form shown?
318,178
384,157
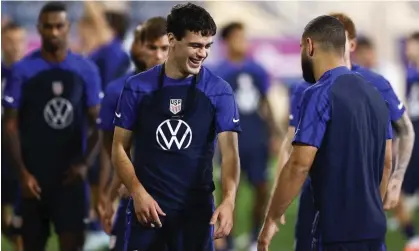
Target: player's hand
269,229
147,209
392,196
105,211
75,173
224,216
30,186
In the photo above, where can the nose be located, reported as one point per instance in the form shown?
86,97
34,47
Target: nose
159,54
202,53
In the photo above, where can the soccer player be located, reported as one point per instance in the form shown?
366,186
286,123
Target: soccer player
364,53
50,94
149,48
13,45
250,83
173,113
411,183
400,121
343,139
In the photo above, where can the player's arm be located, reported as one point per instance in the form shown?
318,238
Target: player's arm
10,124
388,160
406,136
94,136
315,112
230,165
95,12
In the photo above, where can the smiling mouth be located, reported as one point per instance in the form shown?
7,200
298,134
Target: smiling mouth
195,62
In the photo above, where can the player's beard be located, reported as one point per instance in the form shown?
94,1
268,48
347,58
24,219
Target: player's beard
308,71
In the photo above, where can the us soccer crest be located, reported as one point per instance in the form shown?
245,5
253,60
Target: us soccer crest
57,88
175,106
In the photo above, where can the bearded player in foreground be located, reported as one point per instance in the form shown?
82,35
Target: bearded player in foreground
348,142
400,121
174,112
150,48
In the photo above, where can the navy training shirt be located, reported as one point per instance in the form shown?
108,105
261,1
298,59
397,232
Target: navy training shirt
111,59
52,99
412,93
348,121
297,93
7,171
173,155
110,101
250,83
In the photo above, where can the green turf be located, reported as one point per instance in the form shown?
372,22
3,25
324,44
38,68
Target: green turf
283,240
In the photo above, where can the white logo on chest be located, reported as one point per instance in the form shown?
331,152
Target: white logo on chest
181,134
58,111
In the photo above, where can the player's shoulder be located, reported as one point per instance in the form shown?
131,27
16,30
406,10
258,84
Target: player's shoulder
254,66
212,84
145,81
116,86
374,78
300,87
82,63
29,63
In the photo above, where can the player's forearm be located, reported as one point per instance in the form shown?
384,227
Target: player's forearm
13,144
274,129
105,160
406,135
114,187
285,150
125,169
287,187
230,175
385,179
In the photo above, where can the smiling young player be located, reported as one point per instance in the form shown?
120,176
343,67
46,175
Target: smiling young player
174,113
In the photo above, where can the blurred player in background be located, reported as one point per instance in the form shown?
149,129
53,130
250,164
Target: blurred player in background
340,140
364,53
411,183
13,46
250,83
102,32
150,48
400,121
174,113
47,99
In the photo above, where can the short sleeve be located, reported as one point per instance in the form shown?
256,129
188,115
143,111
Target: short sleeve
395,105
126,111
389,130
93,86
226,112
315,113
13,89
107,109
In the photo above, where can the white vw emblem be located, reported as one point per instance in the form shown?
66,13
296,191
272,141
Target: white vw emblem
58,113
182,141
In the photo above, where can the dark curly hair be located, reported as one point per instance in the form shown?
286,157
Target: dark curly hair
190,17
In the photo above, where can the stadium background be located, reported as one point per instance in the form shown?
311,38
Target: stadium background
274,29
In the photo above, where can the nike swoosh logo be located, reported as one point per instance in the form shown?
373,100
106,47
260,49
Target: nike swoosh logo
118,115
400,106
236,120
9,99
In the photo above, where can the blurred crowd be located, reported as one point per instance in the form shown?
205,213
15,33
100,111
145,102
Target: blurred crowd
108,29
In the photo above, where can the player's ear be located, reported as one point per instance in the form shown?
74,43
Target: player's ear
309,47
352,45
172,39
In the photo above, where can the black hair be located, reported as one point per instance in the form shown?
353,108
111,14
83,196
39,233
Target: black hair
328,31
229,28
190,17
414,36
119,23
364,42
11,26
153,29
52,7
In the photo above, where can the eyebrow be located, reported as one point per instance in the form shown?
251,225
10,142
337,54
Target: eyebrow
194,43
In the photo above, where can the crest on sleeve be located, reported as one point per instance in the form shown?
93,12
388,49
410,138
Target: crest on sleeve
57,88
175,106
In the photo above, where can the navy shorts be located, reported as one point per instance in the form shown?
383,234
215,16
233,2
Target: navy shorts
254,163
118,227
305,218
367,245
64,206
9,191
187,230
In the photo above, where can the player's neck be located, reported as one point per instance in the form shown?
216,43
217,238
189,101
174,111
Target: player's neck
348,63
235,57
7,61
172,70
328,63
56,56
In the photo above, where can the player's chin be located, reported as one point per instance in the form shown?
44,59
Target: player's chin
193,66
